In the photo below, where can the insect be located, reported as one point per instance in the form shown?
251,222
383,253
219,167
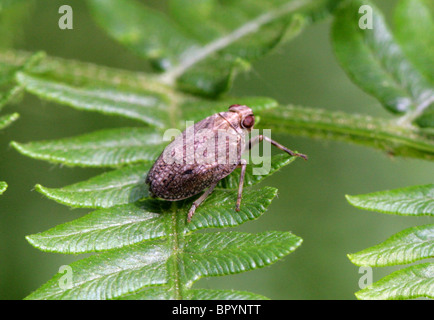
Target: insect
203,155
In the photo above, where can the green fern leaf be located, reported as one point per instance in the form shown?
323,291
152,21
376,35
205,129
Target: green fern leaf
3,186
120,186
168,263
408,283
417,200
104,148
202,57
127,185
375,61
148,107
414,22
144,220
139,227
161,293
143,247
8,119
407,246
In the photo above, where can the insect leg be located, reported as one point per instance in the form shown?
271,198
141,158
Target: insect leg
261,137
243,164
199,201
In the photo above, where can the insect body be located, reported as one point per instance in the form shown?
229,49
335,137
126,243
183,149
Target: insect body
203,155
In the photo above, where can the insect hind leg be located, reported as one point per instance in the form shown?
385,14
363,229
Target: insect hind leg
199,201
243,165
261,137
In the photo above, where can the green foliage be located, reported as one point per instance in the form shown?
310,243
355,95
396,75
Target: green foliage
380,65
393,69
3,186
202,44
407,246
8,119
8,86
129,227
126,185
417,200
413,35
408,283
120,186
378,133
9,89
105,148
144,249
166,267
376,62
144,106
414,22
122,225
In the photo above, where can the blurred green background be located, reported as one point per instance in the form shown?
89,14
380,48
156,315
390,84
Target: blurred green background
311,200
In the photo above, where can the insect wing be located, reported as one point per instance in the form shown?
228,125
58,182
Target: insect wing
202,155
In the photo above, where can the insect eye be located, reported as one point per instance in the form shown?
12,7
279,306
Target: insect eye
248,122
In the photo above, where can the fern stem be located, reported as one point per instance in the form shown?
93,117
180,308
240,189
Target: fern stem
383,134
411,116
175,239
67,68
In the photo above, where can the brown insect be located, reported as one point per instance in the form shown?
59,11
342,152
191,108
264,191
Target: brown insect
203,155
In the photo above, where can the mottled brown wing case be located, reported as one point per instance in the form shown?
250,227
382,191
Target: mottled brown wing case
176,181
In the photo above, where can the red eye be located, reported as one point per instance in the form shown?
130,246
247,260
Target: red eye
248,122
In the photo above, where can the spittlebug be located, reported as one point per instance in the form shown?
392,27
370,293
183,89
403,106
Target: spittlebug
203,155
